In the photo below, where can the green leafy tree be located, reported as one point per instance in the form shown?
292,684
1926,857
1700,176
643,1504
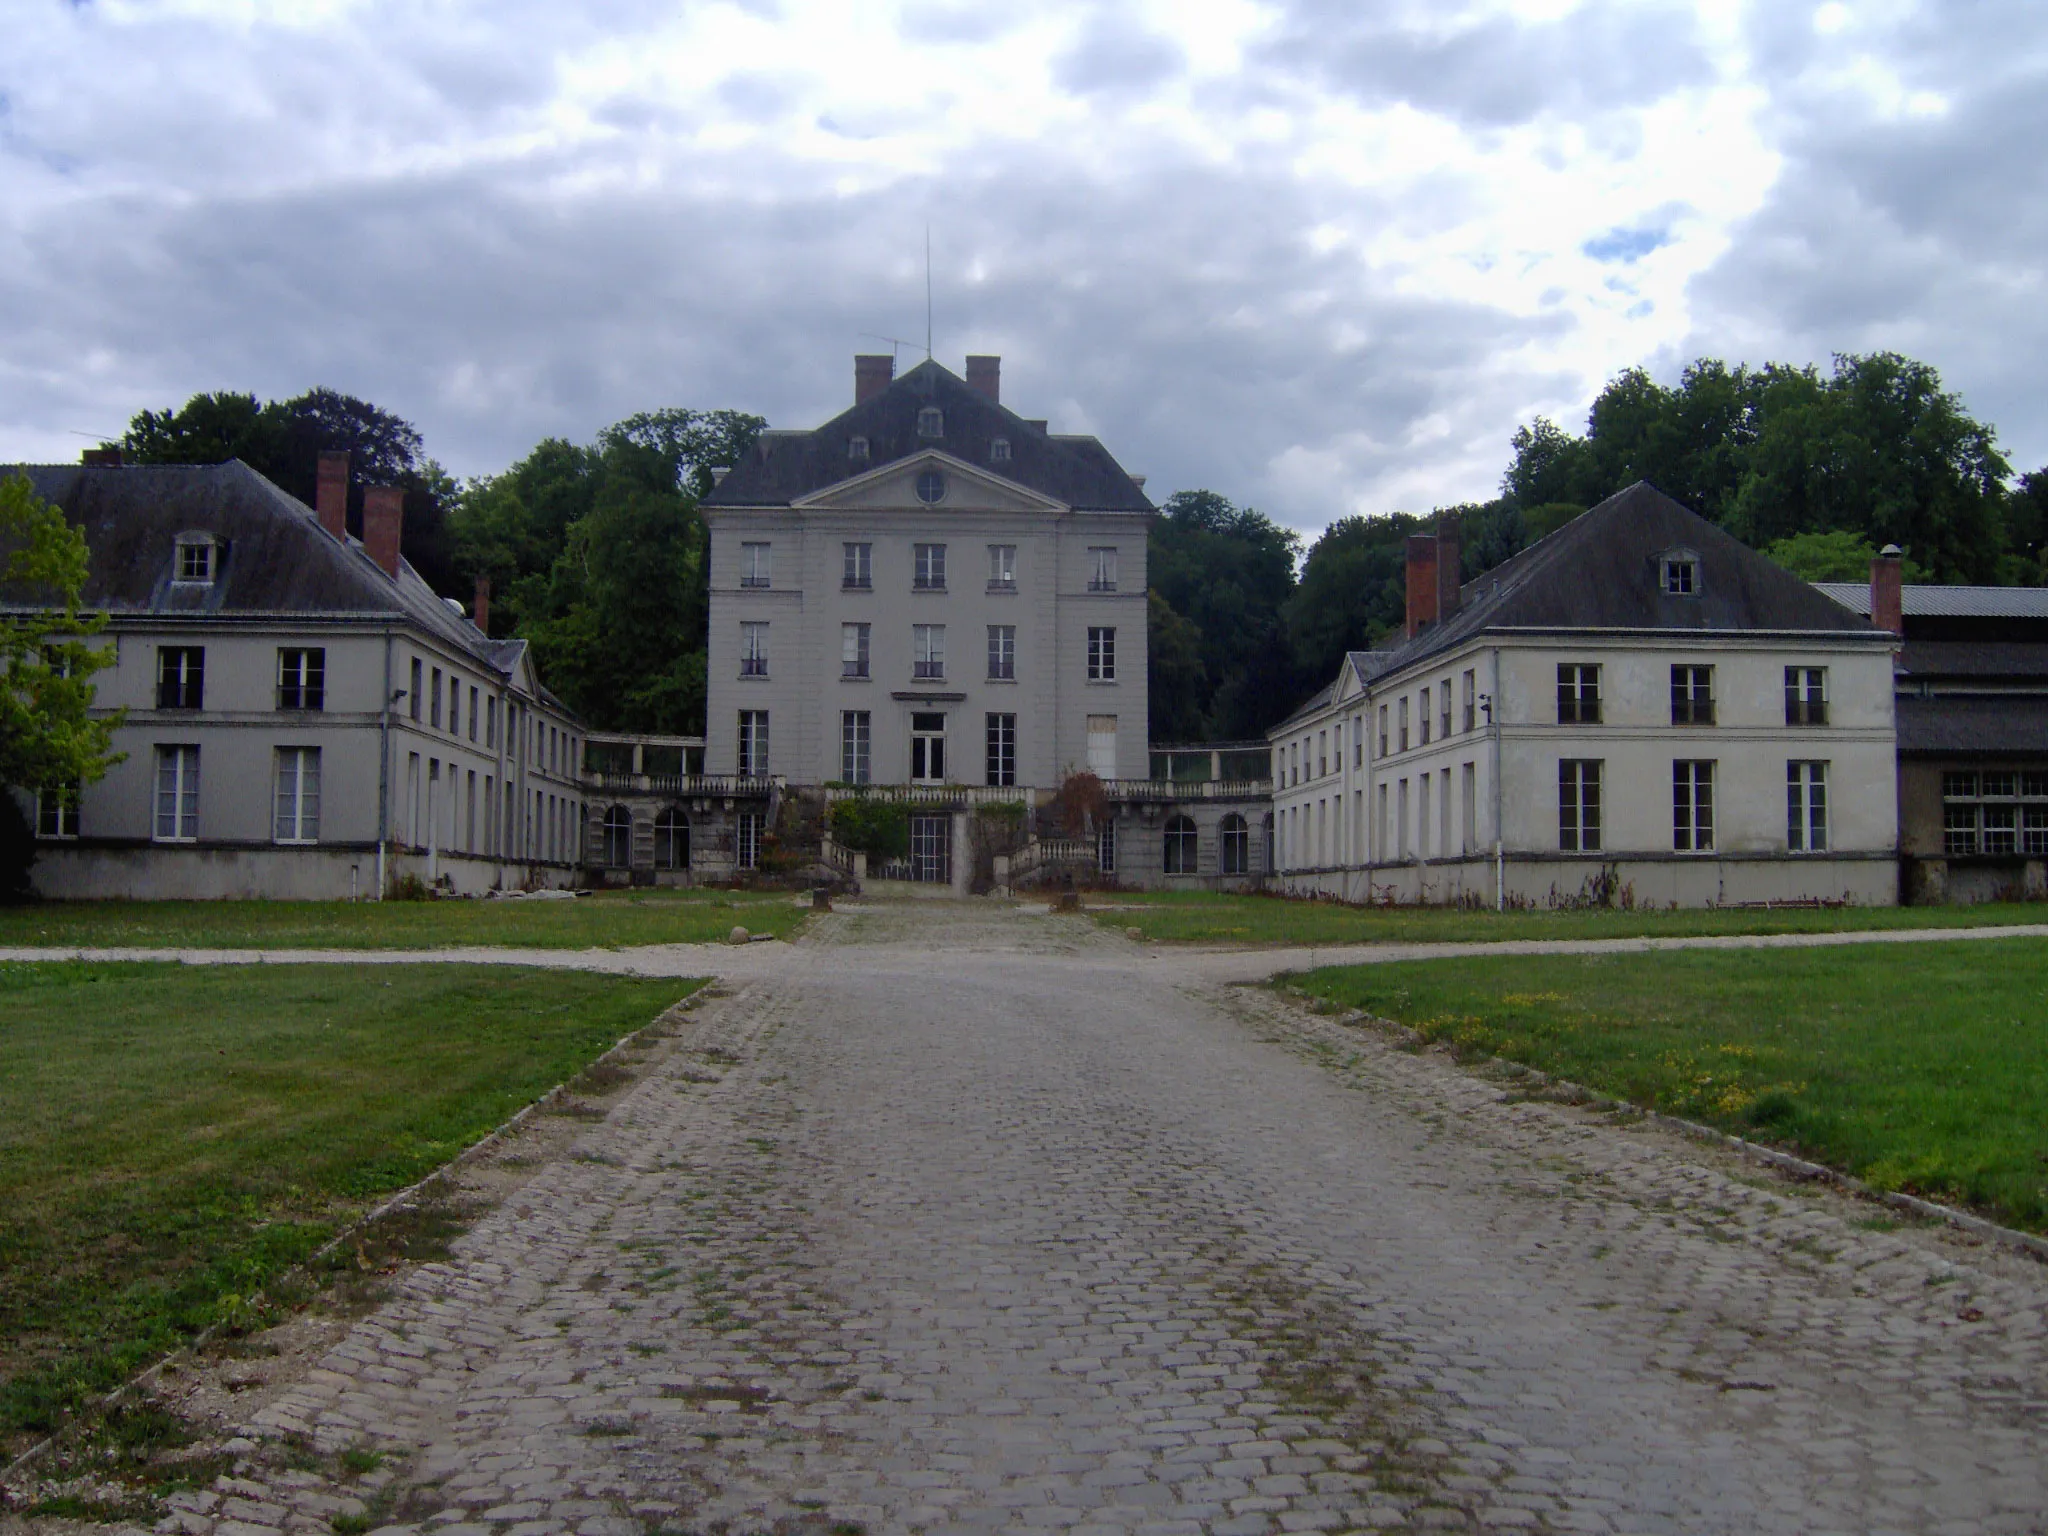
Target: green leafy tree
1353,592
48,734
1228,571
1178,687
1834,555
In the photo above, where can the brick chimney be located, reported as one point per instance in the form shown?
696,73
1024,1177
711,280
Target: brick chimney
106,456
383,520
985,377
1449,571
330,497
480,611
1888,592
872,372
1422,582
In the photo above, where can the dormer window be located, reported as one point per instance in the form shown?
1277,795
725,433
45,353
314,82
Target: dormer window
931,422
999,450
195,560
857,448
1682,574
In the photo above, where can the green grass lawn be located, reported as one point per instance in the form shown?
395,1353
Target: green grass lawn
172,1139
613,919
1920,1067
1203,917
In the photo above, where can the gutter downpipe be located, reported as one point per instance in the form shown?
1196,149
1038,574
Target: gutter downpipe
1500,858
384,768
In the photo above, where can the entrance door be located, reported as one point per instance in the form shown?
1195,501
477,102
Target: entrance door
931,847
928,749
1102,746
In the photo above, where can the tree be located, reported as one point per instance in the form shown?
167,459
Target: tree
1353,592
49,738
1228,571
1178,690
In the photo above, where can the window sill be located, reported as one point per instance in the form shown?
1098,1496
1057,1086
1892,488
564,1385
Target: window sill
928,591
848,586
754,677
1008,588
1102,682
855,677
1009,682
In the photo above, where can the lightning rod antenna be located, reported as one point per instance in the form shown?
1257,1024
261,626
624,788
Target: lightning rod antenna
927,290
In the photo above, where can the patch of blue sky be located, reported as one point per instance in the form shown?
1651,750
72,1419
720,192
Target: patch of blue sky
1626,245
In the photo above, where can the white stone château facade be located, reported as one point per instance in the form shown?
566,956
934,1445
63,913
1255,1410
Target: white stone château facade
305,718
1637,700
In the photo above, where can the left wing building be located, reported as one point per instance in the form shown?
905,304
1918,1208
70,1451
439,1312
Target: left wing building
304,716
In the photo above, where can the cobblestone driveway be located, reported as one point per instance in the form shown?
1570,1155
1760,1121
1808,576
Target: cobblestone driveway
984,1222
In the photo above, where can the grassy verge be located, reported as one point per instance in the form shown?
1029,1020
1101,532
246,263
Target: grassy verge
1922,1067
1202,917
171,1140
606,920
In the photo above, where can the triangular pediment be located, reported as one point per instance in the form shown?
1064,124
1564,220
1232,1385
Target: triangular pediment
963,488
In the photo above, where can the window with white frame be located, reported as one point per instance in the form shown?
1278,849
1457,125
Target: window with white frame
931,422
1806,695
1692,695
1578,805
1692,805
1236,841
1105,847
1002,750
855,746
1401,711
1422,714
1101,654
177,794
1471,692
295,814
1183,846
928,568
753,648
747,842
181,677
928,652
1444,707
1002,567
1578,693
1102,568
1383,730
857,448
853,650
1806,807
301,679
1002,652
857,569
753,754
999,449
57,812
1682,574
196,561
1995,811
928,747
754,565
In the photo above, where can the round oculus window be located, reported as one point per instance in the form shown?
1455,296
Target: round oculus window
931,487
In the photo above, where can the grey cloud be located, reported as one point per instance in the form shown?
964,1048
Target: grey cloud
1114,54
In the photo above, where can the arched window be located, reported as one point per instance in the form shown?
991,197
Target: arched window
1237,845
1180,846
618,837
671,840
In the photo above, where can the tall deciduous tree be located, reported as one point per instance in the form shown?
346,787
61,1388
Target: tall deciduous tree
1227,570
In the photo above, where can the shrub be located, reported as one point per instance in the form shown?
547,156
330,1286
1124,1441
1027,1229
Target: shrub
877,828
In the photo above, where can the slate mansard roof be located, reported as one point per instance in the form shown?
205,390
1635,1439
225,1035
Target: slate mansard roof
785,467
274,559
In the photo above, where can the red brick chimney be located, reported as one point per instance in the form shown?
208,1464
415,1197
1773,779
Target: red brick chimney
330,496
480,612
383,520
1422,582
985,377
1888,592
1449,571
106,456
872,372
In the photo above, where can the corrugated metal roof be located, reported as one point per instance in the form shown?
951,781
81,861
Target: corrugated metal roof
1930,601
1974,726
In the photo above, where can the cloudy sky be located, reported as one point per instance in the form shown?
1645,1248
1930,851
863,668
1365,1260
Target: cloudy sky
1320,255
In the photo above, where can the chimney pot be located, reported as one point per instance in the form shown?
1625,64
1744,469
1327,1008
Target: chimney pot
383,523
985,377
1888,591
1422,582
480,611
106,456
872,372
330,497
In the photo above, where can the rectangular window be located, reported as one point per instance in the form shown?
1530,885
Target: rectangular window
415,700
472,714
1402,708
753,743
1383,730
1578,805
1422,715
928,747
857,574
1692,695
928,651
1358,741
1102,731
57,812
1002,652
928,568
195,561
1102,568
1578,693
434,701
1105,847
853,650
1322,753
1692,806
1471,700
1959,828
1101,655
491,721
1002,750
747,847
754,565
2034,830
1806,807
177,794
854,746
1002,567
2001,828
753,648
454,706
1444,707
181,677
1806,695
296,816
301,679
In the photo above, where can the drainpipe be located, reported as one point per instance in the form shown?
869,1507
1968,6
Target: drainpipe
384,768
1500,857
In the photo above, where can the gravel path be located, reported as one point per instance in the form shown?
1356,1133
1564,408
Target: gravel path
956,1219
